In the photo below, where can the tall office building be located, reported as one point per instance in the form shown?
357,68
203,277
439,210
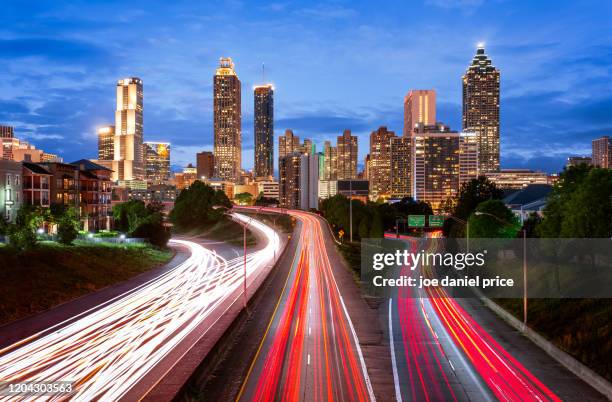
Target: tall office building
468,157
106,143
205,165
400,149
347,156
379,169
330,162
602,152
157,162
419,107
128,161
435,164
264,131
299,181
288,143
481,108
227,122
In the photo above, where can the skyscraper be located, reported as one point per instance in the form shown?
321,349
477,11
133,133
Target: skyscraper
298,180
227,122
288,144
468,158
157,162
481,108
400,149
602,152
347,156
264,131
128,161
106,143
330,162
379,169
419,107
205,165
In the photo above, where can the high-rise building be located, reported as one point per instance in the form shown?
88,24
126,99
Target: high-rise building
379,169
481,108
288,143
106,143
330,162
227,122
299,181
205,165
128,161
419,107
307,147
468,157
264,131
157,162
435,164
602,152
400,150
347,156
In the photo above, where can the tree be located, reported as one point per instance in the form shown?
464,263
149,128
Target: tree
471,195
129,215
154,230
364,228
22,233
244,198
580,204
503,223
377,230
67,227
265,201
194,206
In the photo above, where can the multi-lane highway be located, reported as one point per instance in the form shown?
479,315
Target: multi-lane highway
310,350
110,350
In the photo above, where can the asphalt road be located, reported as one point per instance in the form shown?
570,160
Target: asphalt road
122,348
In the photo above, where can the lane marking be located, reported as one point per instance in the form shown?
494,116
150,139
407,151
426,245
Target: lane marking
309,359
398,392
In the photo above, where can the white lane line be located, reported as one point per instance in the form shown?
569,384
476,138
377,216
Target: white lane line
309,359
398,392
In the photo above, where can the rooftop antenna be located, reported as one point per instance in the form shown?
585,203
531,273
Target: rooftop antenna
263,72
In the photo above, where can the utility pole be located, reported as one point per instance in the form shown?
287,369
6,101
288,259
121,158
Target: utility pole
351,209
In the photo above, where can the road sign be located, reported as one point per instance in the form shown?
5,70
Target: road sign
436,221
341,233
416,221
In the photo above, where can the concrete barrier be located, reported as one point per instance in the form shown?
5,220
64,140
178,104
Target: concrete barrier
580,370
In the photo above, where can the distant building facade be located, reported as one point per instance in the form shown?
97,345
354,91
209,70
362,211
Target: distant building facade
10,189
106,143
347,150
379,168
602,152
517,178
157,162
400,150
128,155
573,161
205,165
419,107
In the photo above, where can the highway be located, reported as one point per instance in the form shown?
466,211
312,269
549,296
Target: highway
310,350
108,351
442,353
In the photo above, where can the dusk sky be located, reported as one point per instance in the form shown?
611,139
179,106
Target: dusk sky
334,65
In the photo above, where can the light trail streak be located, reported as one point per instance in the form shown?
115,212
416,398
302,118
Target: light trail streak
107,350
311,351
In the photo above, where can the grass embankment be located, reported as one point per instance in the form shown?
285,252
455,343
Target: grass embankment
225,230
352,255
580,327
50,274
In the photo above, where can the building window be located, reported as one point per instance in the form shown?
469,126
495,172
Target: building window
8,179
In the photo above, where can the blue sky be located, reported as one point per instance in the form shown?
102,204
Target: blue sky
335,65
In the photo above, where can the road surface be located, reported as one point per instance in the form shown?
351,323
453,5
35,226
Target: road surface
310,349
111,350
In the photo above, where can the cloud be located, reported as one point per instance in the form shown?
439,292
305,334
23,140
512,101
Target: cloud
326,12
464,5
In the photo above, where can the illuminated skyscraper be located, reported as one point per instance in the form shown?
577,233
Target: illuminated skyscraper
401,167
419,107
481,108
379,169
227,122
468,158
106,143
264,131
330,162
128,161
157,162
288,144
347,156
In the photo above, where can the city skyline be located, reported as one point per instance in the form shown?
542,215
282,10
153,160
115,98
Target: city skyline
567,110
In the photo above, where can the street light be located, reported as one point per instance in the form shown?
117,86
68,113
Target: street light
479,213
244,270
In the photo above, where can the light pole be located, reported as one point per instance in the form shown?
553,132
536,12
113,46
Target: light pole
351,209
478,213
244,270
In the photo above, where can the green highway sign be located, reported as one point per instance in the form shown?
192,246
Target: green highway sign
416,221
436,221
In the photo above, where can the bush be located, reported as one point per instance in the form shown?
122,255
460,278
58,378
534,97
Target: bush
67,227
154,230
